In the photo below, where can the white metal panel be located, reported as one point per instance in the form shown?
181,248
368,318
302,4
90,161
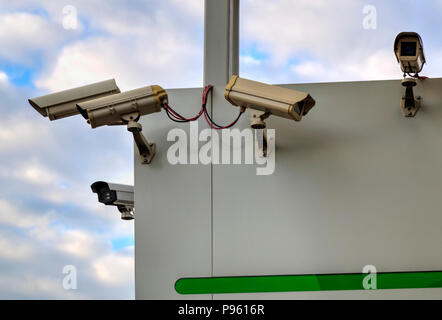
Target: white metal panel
355,183
173,210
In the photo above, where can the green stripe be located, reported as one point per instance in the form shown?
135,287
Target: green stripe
314,282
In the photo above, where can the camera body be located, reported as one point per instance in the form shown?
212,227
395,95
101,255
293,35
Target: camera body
269,99
409,51
119,195
112,110
63,104
114,194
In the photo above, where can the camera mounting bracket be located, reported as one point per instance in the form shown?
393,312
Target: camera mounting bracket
257,118
409,104
146,150
257,123
127,213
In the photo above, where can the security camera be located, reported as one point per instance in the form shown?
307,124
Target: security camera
126,108
264,100
113,193
122,107
409,51
119,195
64,103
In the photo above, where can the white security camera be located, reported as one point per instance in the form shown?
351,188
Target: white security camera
119,195
409,51
264,100
64,103
126,108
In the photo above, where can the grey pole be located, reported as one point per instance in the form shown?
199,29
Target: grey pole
221,56
221,40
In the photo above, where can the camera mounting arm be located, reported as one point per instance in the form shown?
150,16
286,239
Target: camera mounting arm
257,118
409,104
257,123
146,150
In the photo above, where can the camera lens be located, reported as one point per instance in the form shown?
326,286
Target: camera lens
408,49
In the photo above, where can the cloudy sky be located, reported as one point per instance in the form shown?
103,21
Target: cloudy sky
48,216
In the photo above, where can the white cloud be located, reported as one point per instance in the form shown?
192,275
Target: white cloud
31,286
380,65
10,215
62,188
3,77
325,40
37,174
14,249
283,28
115,269
377,66
161,45
81,244
249,60
132,63
23,34
17,134
433,67
194,7
97,264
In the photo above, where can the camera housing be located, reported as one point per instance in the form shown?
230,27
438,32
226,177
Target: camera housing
63,104
409,51
119,195
267,100
111,110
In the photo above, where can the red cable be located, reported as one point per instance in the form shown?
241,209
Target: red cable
213,125
180,117
177,116
219,128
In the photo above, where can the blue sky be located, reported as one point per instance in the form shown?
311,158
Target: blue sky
48,216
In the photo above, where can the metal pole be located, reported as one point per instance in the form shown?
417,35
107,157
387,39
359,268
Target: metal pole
221,40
